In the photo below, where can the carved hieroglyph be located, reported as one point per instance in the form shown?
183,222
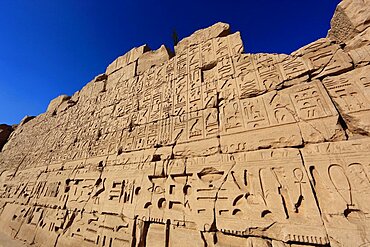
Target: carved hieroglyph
206,147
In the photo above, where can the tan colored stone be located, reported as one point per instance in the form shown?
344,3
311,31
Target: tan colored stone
339,175
217,30
360,40
125,73
350,93
324,58
211,147
290,117
360,56
130,57
6,241
268,193
55,103
152,58
350,18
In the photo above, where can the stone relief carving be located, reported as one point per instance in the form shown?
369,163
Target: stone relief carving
206,147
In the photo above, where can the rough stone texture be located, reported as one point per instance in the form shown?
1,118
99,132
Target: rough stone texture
350,24
217,30
126,59
5,131
152,59
58,104
210,147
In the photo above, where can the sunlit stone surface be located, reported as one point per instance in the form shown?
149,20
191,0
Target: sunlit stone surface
206,147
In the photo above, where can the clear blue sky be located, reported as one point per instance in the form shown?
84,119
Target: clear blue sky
53,47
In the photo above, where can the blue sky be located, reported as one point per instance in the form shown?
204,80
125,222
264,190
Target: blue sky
54,47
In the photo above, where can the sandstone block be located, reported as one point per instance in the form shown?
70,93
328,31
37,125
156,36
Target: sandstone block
290,117
350,93
217,30
350,18
152,58
210,147
324,58
343,195
266,188
130,57
55,103
360,56
5,131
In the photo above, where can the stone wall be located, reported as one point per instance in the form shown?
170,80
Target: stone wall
5,131
208,147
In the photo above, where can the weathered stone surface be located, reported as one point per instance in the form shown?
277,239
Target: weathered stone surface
290,117
267,198
350,18
152,58
26,119
323,58
339,175
128,58
217,30
350,24
60,103
5,131
350,93
210,147
360,56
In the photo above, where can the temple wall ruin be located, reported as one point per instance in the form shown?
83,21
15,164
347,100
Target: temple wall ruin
209,146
